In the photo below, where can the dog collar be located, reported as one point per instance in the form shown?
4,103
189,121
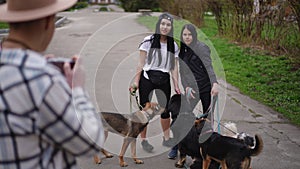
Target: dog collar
147,115
206,132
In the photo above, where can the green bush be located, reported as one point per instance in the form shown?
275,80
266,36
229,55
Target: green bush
135,5
79,5
3,25
103,8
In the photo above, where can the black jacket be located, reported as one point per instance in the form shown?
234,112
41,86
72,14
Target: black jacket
196,67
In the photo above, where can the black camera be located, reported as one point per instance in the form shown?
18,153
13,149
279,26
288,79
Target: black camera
59,62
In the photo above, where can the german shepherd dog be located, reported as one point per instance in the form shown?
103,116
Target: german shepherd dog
129,126
185,132
230,152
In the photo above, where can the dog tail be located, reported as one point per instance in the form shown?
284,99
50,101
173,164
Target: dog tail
258,146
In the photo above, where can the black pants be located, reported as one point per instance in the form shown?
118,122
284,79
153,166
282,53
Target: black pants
205,100
163,93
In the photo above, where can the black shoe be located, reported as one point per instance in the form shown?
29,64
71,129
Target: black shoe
168,143
173,153
146,146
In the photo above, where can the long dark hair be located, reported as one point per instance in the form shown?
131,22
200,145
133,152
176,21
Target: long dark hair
155,42
183,47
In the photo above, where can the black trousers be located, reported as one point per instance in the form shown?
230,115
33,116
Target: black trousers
163,93
205,100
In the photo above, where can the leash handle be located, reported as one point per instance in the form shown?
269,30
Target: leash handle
132,90
189,93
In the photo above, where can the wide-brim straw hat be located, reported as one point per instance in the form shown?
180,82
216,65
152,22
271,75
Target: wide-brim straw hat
27,10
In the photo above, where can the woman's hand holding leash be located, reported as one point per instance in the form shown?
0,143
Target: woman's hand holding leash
190,93
132,89
214,90
177,90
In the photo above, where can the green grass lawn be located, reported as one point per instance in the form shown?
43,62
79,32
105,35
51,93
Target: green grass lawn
267,79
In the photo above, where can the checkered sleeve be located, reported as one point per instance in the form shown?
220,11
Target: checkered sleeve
70,121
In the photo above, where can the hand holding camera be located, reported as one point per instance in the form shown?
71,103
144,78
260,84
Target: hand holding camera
72,68
60,61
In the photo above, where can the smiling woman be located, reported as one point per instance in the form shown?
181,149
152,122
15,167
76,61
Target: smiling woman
158,58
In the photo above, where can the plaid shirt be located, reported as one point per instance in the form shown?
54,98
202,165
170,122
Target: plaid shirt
43,124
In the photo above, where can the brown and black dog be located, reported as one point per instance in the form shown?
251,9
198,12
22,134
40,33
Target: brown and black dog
230,152
129,126
185,132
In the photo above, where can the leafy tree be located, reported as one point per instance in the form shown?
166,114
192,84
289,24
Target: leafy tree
192,10
295,5
135,5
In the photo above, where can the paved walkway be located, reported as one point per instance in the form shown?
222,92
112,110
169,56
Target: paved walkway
108,41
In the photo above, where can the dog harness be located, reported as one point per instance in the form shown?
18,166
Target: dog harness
148,115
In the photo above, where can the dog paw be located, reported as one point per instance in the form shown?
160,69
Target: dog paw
97,160
139,162
123,164
179,165
109,156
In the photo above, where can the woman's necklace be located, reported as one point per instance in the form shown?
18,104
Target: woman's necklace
16,41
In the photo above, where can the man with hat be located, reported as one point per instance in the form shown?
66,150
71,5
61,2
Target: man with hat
46,118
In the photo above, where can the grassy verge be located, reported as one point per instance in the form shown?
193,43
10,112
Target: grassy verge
267,79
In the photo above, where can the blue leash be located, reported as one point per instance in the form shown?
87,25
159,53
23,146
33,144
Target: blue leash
218,115
218,118
215,103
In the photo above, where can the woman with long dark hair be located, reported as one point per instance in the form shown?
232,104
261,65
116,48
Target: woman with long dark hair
196,71
195,56
158,57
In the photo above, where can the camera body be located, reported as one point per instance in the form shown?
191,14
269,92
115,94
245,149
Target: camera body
60,61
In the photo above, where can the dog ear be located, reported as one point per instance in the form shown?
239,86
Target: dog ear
197,122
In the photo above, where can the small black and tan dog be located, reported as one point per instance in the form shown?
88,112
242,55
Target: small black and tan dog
129,126
185,132
230,152
208,149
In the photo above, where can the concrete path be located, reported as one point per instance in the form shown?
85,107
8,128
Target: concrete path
108,42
